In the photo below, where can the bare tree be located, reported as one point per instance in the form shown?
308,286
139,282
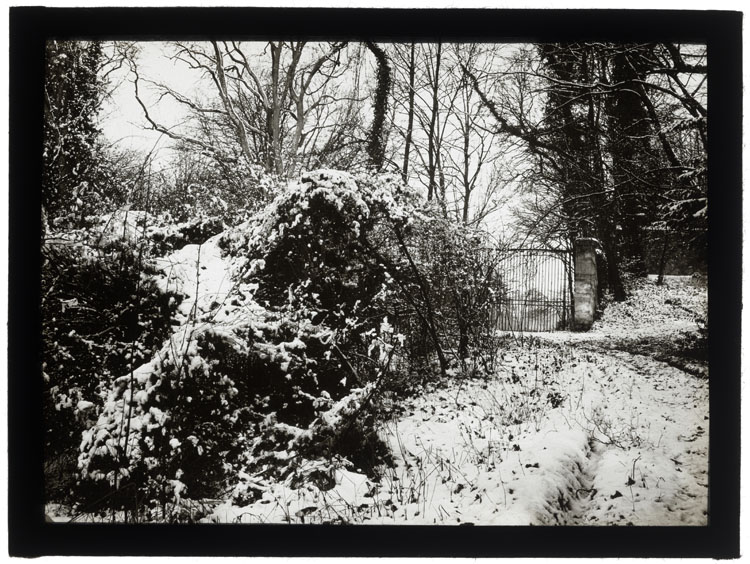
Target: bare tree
280,103
411,71
420,80
472,148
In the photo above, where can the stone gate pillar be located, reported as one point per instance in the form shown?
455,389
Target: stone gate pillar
585,288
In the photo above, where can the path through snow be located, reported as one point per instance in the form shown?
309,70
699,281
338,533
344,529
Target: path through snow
667,475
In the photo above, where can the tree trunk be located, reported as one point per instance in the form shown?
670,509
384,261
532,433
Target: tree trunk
463,324
410,123
663,259
377,142
614,277
466,164
275,131
631,158
432,165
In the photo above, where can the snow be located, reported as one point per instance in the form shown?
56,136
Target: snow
566,432
84,405
654,311
198,272
123,224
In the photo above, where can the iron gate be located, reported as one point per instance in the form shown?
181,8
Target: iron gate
536,290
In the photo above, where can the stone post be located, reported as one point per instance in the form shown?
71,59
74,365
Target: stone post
585,289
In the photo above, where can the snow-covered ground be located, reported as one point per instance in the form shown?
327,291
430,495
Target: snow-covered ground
574,428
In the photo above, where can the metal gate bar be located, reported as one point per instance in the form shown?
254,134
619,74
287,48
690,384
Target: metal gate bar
536,290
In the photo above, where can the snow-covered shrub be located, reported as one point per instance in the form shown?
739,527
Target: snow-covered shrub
313,247
153,235
218,185
167,236
279,379
354,249
101,315
284,381
263,398
326,249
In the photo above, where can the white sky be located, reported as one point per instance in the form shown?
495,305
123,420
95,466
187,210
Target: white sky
123,121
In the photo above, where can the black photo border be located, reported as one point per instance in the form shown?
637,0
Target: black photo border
30,27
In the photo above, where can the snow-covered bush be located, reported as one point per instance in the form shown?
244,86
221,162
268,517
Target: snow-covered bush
286,376
216,184
314,246
166,236
328,248
153,235
354,249
262,398
101,315
279,379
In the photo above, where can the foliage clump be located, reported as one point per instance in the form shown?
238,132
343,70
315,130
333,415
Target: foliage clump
73,95
280,380
101,316
267,390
